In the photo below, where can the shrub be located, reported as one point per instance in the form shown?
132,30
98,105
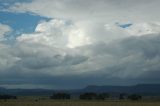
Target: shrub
60,96
134,97
103,96
122,96
88,96
7,97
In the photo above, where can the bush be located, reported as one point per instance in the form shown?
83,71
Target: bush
60,96
122,96
103,96
88,96
92,96
7,97
134,97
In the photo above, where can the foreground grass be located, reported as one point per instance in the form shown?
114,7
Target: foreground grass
77,103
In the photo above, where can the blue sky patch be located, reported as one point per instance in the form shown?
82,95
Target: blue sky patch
124,25
20,22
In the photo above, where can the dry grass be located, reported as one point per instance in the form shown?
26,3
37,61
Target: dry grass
76,103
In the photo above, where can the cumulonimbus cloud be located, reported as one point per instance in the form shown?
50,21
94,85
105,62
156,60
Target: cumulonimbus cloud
82,44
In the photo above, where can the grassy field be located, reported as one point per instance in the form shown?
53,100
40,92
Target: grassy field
76,103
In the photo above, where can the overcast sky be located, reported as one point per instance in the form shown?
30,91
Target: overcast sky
74,43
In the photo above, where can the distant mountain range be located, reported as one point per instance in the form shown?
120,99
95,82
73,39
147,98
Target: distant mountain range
143,89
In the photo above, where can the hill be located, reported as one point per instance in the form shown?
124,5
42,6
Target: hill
143,89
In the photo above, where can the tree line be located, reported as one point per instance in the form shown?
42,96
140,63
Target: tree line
7,97
85,96
95,96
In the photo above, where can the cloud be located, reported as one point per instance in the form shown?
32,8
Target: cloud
134,29
7,60
130,59
127,61
57,33
82,44
140,29
4,29
91,16
80,9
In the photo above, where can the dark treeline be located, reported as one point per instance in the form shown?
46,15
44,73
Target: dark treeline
96,96
60,96
7,97
86,96
130,97
134,97
91,96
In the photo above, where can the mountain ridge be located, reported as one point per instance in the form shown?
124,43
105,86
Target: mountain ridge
143,89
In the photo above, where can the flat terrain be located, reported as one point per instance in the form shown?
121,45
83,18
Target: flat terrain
76,103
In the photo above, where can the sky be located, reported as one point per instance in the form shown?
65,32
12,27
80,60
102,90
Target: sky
68,44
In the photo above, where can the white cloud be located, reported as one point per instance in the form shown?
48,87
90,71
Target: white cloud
144,29
57,33
136,29
92,9
4,29
91,17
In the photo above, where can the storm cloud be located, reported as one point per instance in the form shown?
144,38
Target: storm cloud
83,43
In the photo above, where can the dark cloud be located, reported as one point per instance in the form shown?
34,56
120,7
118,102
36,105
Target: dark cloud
128,61
83,45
